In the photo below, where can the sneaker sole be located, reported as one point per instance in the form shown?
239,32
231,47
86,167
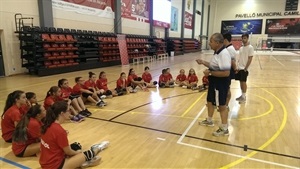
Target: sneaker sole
211,125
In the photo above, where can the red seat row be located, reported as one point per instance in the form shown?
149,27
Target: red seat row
58,37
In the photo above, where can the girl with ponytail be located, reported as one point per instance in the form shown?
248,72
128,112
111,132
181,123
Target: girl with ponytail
11,114
91,85
55,149
54,95
26,137
76,100
101,84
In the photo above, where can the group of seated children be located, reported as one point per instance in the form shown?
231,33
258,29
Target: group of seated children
191,81
33,130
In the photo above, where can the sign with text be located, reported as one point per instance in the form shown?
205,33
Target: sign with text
238,27
291,5
266,14
135,9
284,26
101,8
188,20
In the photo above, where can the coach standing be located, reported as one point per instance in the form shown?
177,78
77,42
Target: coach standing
218,74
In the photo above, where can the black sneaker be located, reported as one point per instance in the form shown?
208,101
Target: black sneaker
88,112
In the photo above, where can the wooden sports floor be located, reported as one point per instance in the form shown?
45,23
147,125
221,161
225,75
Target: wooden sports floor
159,128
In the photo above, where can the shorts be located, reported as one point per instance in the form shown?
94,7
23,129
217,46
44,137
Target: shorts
71,97
242,75
221,84
61,164
232,74
9,141
86,95
22,153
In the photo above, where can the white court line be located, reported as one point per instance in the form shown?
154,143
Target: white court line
277,60
190,126
239,156
223,152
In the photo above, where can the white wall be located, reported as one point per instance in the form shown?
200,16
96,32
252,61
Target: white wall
10,42
227,10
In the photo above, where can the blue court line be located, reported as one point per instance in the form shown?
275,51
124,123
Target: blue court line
14,163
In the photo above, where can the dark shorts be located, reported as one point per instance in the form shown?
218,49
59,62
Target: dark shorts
9,141
61,164
242,75
71,97
22,153
232,74
86,95
221,84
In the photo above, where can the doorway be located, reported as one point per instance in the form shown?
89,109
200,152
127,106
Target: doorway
2,73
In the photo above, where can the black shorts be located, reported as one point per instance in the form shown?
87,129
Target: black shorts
232,74
221,84
22,153
61,164
86,95
9,141
242,75
71,97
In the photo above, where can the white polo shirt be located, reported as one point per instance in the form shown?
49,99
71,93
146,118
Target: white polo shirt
244,53
221,60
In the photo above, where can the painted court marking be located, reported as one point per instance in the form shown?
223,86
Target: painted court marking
222,152
13,163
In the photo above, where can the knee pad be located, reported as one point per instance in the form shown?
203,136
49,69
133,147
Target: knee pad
139,79
171,83
155,83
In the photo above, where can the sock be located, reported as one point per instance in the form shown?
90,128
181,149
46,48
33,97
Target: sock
244,95
225,126
89,154
209,119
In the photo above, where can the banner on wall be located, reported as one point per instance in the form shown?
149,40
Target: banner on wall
135,9
101,8
188,18
238,27
174,19
283,26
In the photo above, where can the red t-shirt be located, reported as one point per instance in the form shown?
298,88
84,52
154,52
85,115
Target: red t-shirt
131,78
122,83
205,80
11,116
51,100
181,78
52,144
192,78
170,76
163,78
102,84
147,77
24,109
77,87
66,92
33,136
90,84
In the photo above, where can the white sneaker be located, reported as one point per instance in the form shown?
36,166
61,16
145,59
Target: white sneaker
239,98
93,162
242,100
103,97
97,148
184,87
